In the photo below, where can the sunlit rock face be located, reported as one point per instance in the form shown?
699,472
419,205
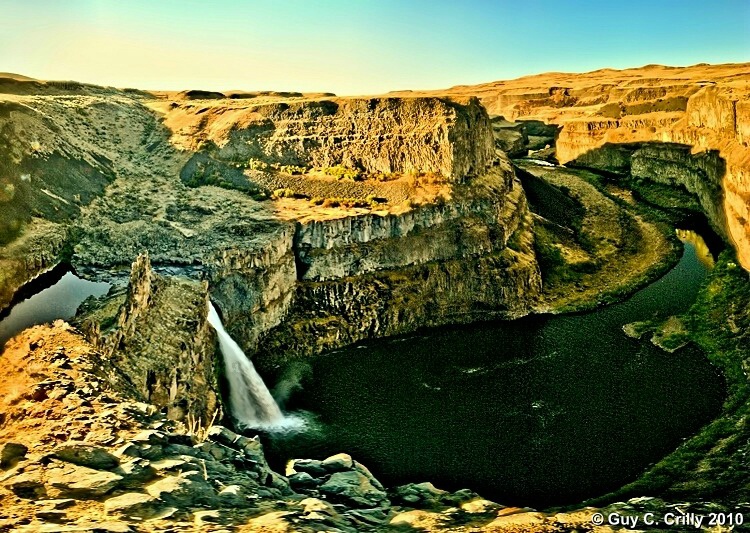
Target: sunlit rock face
326,281
374,277
379,134
706,107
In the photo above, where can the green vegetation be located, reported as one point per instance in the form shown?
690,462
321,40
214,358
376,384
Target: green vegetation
211,173
555,269
371,201
719,320
339,172
342,172
663,196
260,165
286,193
257,164
292,169
515,242
204,176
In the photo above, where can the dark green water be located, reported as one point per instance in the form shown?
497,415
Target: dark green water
56,294
539,411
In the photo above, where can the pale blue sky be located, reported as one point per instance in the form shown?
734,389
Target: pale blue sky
357,47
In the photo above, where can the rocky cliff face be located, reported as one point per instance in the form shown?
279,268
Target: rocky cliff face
713,161
254,290
470,224
701,174
332,282
375,135
61,146
364,278
705,107
358,271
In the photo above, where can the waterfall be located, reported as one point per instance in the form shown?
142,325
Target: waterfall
250,401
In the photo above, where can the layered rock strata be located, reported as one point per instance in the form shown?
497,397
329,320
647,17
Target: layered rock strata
374,277
60,148
289,276
375,135
364,263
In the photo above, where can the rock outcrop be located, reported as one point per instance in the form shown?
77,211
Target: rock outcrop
374,277
269,263
156,342
61,146
418,222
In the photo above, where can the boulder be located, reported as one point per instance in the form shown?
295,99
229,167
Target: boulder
420,496
216,450
223,436
86,455
311,466
182,491
338,462
81,482
253,448
56,505
234,496
278,482
10,453
171,464
480,506
133,504
135,473
362,469
303,480
27,484
314,505
151,436
353,488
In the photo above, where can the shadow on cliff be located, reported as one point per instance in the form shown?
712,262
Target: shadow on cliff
666,175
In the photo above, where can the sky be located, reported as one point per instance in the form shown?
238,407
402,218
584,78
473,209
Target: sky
357,46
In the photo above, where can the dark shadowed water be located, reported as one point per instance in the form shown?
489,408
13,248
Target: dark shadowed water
52,296
539,411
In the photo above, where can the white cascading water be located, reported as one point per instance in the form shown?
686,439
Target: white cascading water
249,399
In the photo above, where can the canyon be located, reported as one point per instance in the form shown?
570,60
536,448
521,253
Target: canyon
313,222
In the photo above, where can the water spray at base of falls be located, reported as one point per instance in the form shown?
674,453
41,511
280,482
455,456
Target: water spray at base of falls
250,401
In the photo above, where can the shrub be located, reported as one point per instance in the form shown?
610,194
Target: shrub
342,172
284,193
257,164
292,169
375,201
